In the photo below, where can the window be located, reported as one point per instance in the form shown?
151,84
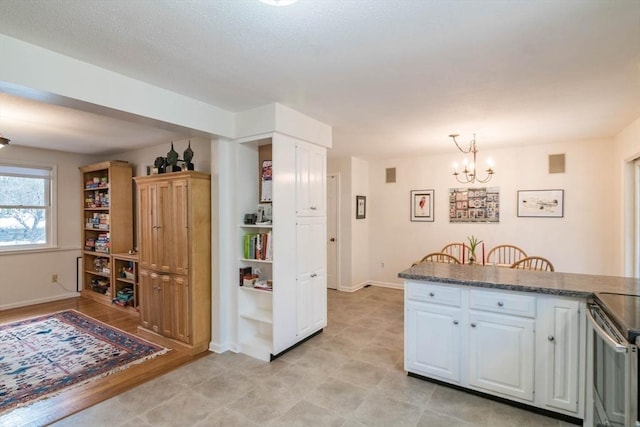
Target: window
26,217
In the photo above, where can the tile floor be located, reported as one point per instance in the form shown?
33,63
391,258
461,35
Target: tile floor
350,375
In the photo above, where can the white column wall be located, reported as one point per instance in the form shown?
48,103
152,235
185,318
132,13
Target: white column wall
626,149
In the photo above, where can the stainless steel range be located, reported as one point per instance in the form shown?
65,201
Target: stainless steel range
613,341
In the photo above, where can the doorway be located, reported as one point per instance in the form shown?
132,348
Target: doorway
333,207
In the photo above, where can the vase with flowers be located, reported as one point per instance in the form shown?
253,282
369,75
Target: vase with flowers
473,244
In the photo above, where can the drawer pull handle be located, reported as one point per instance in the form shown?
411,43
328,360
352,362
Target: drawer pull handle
431,294
455,322
500,303
551,338
473,325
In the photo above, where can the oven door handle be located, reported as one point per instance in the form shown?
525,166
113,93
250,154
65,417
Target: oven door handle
611,342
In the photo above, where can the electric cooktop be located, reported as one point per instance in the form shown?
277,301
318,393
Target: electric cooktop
624,311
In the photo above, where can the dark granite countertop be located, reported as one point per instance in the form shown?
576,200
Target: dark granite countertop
542,282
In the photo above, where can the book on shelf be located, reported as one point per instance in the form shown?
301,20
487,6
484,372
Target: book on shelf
258,246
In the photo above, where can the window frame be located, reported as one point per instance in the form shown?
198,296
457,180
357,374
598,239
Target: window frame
50,208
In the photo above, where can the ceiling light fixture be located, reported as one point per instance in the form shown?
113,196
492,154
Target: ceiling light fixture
468,174
4,141
278,2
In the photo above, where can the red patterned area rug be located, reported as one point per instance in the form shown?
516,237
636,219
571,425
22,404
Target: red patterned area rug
43,355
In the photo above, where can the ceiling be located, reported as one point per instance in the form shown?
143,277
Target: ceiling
393,77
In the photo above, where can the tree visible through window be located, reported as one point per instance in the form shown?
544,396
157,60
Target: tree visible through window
25,206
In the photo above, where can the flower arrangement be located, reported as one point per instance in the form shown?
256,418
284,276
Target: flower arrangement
473,244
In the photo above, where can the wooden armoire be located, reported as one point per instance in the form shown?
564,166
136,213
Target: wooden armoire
174,243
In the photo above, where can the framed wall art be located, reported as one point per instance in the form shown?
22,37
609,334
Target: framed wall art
541,203
480,204
421,205
361,207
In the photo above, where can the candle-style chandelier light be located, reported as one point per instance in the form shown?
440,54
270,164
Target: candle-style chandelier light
468,174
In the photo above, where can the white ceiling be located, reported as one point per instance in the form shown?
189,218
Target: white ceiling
393,77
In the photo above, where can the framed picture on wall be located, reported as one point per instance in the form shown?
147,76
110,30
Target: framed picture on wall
541,203
421,205
361,207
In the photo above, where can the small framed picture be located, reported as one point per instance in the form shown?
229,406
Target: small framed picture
361,207
541,203
421,205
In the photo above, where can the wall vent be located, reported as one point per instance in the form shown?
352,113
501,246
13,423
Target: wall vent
556,163
390,175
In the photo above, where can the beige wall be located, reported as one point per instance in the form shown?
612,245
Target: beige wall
25,277
586,240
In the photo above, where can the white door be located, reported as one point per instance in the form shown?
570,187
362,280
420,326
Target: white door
333,187
501,354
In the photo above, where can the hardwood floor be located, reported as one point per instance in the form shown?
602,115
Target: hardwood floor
75,399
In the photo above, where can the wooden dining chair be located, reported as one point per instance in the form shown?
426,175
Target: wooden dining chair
505,255
455,250
438,257
533,263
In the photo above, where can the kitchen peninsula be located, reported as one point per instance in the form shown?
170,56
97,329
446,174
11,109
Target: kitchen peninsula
518,335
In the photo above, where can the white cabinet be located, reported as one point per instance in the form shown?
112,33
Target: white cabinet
270,322
501,354
433,340
311,276
520,346
558,346
310,180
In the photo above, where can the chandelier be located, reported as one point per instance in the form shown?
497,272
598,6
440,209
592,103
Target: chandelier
468,174
3,141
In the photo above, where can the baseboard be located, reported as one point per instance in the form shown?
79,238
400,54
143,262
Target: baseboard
352,288
399,286
39,301
359,286
221,348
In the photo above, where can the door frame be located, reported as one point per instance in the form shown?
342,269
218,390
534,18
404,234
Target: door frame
335,213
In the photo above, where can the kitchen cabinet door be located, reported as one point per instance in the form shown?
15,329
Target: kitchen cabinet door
433,337
311,276
311,172
501,354
558,347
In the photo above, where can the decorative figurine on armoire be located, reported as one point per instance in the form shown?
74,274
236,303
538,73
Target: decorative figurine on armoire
172,160
160,164
187,156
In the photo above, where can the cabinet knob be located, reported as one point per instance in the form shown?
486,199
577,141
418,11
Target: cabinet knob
500,303
313,208
431,294
473,325
455,322
551,338
333,239
314,275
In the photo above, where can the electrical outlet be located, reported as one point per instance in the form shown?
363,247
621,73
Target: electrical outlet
54,278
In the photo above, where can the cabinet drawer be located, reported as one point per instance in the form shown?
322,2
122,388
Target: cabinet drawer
435,294
501,302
